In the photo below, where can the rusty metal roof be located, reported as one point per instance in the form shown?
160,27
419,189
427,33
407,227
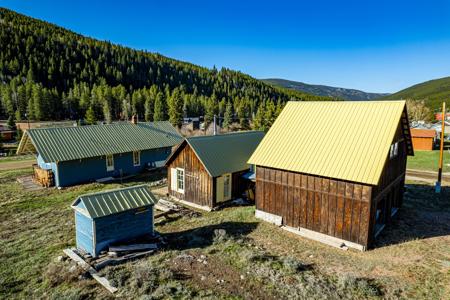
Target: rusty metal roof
71,143
420,132
111,202
348,140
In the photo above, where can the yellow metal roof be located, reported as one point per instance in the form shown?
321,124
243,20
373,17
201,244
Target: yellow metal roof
345,140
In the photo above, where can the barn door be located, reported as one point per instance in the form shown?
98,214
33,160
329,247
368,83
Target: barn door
223,188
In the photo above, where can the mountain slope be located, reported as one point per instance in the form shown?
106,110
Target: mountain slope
48,72
323,90
433,92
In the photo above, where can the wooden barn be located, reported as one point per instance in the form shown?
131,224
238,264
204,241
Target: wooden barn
339,181
73,155
205,171
108,217
423,139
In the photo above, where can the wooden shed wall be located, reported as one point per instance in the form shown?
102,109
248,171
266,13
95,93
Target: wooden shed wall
336,208
198,185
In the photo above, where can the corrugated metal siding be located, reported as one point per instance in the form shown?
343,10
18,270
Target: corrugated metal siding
71,143
343,140
116,201
225,153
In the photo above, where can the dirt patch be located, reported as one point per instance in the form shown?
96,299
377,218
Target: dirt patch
12,165
211,273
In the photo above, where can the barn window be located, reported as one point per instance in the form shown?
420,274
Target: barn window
136,158
393,152
109,162
180,180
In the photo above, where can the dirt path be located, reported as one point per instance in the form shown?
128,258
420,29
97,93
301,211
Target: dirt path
426,176
20,164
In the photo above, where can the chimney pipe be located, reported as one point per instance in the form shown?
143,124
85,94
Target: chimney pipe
134,119
215,126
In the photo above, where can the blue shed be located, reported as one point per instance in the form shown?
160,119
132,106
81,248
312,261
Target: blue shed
86,153
104,218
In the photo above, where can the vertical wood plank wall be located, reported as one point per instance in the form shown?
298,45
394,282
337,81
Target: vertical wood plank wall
198,185
336,208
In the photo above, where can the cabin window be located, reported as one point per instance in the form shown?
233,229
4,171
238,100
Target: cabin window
109,162
393,152
180,180
136,158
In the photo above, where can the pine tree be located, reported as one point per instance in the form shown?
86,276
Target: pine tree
258,121
228,115
176,108
90,116
37,103
160,110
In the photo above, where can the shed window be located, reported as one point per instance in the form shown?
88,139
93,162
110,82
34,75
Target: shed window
109,162
180,180
136,158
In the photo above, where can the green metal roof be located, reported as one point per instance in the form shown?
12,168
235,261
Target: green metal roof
114,201
224,153
71,143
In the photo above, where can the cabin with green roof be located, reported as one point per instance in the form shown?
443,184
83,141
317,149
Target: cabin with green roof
205,171
74,155
109,217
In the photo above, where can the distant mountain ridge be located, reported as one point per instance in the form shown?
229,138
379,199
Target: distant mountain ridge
432,92
324,90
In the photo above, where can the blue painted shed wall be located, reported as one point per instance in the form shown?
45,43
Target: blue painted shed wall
122,226
83,229
79,171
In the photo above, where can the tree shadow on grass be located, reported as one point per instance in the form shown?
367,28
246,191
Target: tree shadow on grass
424,214
203,237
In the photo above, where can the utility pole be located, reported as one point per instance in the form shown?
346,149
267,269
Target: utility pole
441,151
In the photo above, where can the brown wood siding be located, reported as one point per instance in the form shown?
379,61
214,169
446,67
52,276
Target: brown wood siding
333,207
422,143
198,185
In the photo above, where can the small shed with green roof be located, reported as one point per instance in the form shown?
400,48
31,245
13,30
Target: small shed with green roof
205,171
108,217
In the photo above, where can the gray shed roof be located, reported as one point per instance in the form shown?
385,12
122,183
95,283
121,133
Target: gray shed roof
71,143
223,153
111,202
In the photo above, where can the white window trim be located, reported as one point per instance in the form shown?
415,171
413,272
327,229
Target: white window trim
109,168
228,190
139,158
184,182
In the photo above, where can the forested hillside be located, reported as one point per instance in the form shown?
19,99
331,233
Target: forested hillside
432,93
50,73
324,90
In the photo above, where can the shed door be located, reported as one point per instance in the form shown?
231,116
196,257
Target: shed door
223,188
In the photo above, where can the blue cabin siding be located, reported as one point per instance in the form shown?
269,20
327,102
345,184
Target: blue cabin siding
79,171
122,226
84,233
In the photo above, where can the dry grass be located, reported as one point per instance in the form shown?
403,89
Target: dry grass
225,254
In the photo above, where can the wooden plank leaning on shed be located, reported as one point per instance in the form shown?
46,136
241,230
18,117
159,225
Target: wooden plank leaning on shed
87,267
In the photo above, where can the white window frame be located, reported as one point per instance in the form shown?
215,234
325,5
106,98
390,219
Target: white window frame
180,190
109,167
393,150
136,154
226,188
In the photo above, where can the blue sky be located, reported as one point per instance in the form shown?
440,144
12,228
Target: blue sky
376,46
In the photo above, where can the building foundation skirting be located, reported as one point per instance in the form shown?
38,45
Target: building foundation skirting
268,217
193,205
310,234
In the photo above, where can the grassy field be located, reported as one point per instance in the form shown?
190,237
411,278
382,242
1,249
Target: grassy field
428,160
226,254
